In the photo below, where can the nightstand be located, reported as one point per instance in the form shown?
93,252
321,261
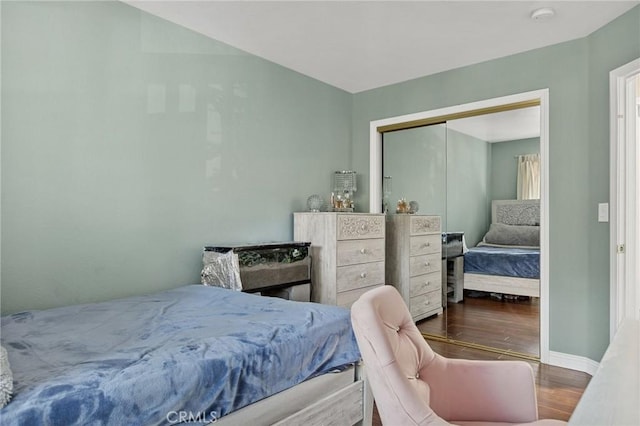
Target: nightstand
453,267
280,269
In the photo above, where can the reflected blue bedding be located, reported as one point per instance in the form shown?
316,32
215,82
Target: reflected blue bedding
193,349
503,261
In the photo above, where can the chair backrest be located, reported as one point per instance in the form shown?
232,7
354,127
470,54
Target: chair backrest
395,354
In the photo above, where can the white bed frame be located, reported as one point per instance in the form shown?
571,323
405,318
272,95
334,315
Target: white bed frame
333,398
501,284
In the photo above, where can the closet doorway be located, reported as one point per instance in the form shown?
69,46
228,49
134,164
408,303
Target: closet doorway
430,157
625,194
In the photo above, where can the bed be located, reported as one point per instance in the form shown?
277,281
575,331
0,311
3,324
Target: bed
507,260
191,354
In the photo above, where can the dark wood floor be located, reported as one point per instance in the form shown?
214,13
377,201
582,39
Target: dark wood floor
558,389
508,325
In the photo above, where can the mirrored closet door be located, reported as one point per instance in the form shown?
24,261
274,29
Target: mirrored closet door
478,174
414,177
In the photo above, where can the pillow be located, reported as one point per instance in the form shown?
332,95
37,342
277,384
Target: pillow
527,213
513,235
6,378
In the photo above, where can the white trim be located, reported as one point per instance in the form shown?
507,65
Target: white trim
375,181
544,226
624,296
375,169
573,362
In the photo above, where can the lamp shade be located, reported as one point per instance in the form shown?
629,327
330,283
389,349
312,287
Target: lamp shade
344,181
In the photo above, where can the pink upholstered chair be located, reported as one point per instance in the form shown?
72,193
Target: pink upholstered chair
412,385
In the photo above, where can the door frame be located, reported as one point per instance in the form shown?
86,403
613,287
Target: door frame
623,227
542,96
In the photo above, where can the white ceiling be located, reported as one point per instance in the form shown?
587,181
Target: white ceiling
362,45
501,126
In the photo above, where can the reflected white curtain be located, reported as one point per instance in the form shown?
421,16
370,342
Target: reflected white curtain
528,177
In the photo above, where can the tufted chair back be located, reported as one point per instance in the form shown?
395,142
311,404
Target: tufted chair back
412,385
396,357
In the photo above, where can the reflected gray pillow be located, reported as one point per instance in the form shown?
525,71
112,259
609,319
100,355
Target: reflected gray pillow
513,235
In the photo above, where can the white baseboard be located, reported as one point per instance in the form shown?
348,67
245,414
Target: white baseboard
573,362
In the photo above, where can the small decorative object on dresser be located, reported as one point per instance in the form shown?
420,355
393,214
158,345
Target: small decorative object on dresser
402,206
386,193
413,207
413,262
347,251
315,203
344,188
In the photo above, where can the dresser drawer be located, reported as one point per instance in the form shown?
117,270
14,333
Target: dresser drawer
422,284
425,264
425,244
354,226
346,298
424,225
351,252
430,303
358,276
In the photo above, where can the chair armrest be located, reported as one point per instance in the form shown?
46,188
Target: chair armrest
490,391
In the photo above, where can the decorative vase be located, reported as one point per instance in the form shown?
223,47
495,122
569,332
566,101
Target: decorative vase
315,203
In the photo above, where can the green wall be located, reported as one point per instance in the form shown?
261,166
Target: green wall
468,171
610,47
576,74
416,161
452,174
504,166
129,143
445,171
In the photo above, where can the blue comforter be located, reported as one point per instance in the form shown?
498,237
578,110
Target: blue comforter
141,360
503,261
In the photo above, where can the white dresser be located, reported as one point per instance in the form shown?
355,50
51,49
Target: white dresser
347,254
414,262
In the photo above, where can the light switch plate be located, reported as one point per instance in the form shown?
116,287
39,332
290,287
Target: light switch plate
603,212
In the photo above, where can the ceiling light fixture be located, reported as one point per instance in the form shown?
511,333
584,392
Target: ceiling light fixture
542,14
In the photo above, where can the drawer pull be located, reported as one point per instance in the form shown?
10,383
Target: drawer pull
363,275
426,263
427,283
427,244
363,250
363,226
427,302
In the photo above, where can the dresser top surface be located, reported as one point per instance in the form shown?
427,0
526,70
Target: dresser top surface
339,213
237,247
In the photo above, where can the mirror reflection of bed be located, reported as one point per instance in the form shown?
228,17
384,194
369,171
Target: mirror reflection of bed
493,288
500,305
